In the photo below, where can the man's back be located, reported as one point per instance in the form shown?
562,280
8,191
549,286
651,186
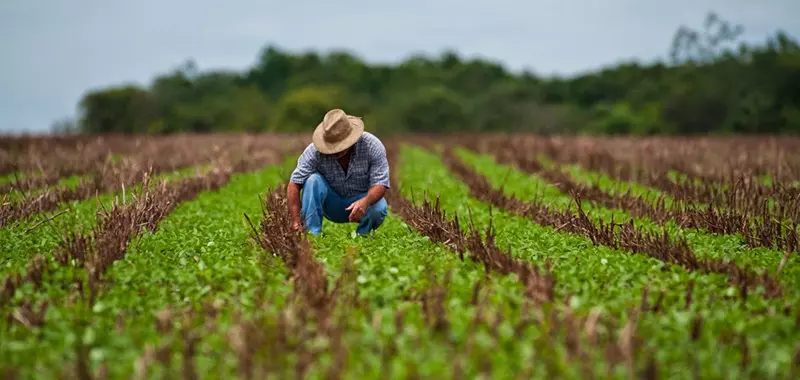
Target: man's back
368,167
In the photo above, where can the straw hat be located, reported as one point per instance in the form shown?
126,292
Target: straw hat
337,132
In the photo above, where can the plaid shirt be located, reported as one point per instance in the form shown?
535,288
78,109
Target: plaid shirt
368,167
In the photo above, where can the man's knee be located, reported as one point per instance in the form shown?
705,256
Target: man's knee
315,186
315,180
373,218
377,211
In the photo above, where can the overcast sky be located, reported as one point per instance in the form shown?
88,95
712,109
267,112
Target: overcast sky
53,51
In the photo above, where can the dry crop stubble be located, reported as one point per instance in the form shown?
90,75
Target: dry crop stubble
313,310
739,189
243,153
466,319
429,219
763,224
201,254
624,236
109,241
727,305
116,229
726,248
153,207
733,239
584,336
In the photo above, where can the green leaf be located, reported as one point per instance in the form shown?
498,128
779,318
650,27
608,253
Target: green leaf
98,307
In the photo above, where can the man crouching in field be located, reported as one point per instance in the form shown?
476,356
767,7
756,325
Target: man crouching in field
343,173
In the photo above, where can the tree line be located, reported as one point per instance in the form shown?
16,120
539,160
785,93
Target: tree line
711,83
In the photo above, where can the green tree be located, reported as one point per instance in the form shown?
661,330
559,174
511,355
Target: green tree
302,109
433,109
127,109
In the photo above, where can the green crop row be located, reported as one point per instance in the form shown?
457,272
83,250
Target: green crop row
415,313
612,280
200,250
41,233
705,245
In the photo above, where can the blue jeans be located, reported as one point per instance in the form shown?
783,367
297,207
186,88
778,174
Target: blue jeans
320,200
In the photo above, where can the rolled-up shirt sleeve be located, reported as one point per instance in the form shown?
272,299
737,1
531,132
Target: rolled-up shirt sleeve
306,165
379,165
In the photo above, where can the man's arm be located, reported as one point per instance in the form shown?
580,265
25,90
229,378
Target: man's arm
306,165
374,194
378,178
293,197
359,208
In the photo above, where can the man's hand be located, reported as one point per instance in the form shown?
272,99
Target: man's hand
358,209
297,226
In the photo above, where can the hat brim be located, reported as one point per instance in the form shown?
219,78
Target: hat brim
325,147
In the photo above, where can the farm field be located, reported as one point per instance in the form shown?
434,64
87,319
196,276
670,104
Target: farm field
503,256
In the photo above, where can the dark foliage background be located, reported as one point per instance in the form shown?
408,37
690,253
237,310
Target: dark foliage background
711,83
